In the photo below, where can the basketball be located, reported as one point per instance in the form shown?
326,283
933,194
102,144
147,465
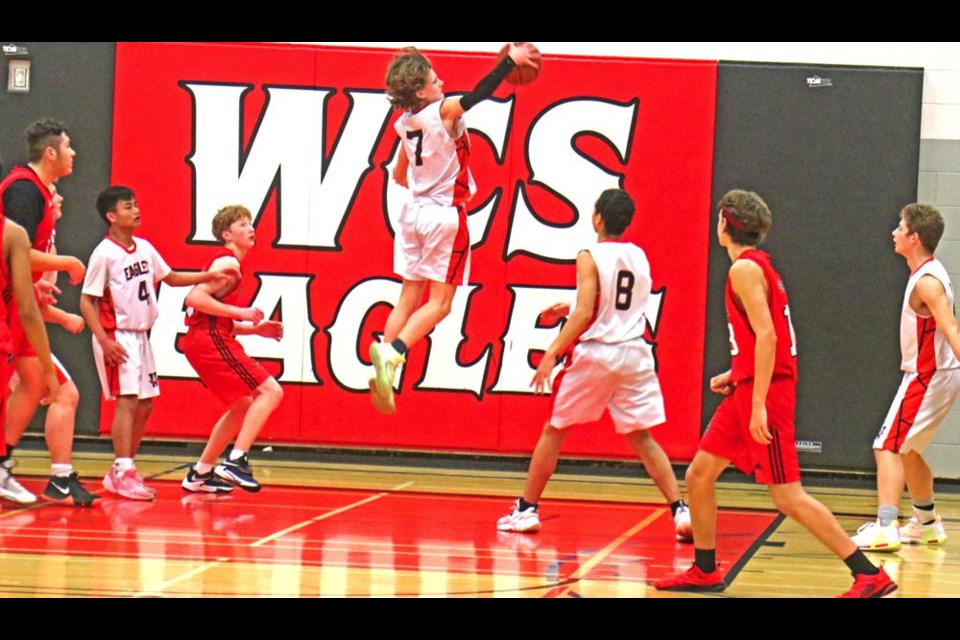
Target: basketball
523,74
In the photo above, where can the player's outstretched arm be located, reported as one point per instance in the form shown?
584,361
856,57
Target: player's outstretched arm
42,261
453,108
16,249
218,279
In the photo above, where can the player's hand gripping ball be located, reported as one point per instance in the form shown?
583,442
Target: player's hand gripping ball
523,73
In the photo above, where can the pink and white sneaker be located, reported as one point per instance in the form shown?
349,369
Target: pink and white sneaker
127,484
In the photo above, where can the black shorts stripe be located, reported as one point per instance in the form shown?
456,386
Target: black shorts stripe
217,338
775,458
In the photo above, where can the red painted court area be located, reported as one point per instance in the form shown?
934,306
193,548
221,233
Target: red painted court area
311,541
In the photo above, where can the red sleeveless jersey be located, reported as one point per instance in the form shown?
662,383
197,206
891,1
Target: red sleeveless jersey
6,295
44,235
232,297
743,340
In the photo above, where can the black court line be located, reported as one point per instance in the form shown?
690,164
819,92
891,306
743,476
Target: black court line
761,541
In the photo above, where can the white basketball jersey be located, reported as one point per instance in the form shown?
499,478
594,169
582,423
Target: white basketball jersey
625,284
124,278
922,345
439,169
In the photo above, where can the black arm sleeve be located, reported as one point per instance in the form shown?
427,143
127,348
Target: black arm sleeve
488,85
23,203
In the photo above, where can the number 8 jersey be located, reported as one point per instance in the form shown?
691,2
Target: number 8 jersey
625,283
743,340
124,278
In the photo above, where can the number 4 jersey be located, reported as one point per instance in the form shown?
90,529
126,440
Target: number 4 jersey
743,340
124,278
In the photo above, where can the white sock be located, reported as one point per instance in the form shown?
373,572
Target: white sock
122,464
61,470
236,454
202,468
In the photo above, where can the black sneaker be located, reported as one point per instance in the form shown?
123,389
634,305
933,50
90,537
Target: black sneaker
239,473
68,491
207,482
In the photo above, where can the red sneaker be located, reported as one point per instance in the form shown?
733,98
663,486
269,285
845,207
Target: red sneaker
693,579
866,586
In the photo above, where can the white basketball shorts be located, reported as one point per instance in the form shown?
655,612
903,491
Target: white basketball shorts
619,377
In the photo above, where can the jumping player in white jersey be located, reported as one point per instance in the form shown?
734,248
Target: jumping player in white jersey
929,345
432,243
119,304
609,367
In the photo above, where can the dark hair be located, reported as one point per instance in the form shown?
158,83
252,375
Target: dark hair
407,74
616,208
749,212
109,197
41,134
925,221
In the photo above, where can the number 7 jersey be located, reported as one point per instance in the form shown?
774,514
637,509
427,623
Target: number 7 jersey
743,340
124,279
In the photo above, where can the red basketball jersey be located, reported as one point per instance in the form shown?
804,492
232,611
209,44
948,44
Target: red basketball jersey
743,340
195,317
44,235
6,298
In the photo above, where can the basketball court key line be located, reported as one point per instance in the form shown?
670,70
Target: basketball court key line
159,588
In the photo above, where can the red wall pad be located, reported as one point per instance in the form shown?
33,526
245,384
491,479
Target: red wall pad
303,137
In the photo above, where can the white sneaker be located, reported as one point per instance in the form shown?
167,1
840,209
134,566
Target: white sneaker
681,521
526,521
873,537
10,488
385,361
915,532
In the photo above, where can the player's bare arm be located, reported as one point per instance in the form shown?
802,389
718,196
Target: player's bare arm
588,283
16,249
453,108
400,170
267,329
219,279
750,287
204,297
42,261
554,312
69,321
113,352
720,383
46,292
932,300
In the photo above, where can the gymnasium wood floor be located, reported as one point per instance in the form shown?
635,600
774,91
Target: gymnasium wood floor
326,529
